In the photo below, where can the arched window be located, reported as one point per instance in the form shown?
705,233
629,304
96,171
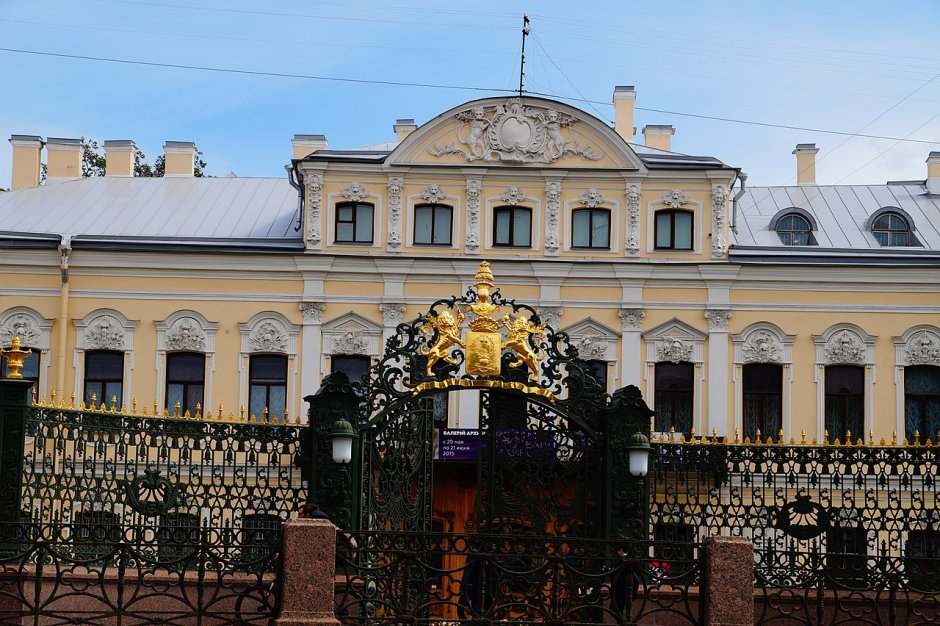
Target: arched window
512,226
763,399
922,402
433,224
267,385
795,230
892,229
590,228
354,222
185,381
845,401
104,377
673,230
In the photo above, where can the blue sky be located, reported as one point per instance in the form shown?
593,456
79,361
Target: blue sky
869,67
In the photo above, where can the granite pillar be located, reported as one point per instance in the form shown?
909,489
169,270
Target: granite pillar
729,582
308,574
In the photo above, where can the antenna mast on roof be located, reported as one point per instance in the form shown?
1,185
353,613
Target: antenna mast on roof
525,31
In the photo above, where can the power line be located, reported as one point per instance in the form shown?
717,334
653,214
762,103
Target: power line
445,86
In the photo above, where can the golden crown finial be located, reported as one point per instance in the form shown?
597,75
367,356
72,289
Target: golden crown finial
15,356
483,308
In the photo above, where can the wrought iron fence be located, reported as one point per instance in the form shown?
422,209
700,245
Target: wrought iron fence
68,574
386,577
841,533
103,468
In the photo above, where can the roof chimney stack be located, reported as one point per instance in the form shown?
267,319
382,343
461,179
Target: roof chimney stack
308,144
178,159
805,163
933,173
624,101
404,127
63,159
27,160
119,157
658,136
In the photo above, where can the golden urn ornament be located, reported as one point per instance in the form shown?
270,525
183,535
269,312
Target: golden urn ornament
15,357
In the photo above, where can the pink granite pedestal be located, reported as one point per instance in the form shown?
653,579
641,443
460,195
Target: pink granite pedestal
729,582
307,581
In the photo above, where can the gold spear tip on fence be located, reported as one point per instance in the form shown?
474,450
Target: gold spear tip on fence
15,356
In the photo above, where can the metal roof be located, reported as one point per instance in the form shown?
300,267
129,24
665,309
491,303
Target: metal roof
181,209
841,213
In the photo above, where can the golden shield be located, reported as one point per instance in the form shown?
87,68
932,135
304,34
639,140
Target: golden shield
483,351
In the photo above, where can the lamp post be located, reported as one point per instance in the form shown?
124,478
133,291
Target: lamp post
639,451
342,436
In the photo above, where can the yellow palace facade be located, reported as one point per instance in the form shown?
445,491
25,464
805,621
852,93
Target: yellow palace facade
803,309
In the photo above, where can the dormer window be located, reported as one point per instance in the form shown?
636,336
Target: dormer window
354,222
892,229
674,230
795,230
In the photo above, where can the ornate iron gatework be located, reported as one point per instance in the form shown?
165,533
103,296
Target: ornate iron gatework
138,470
841,533
105,574
423,578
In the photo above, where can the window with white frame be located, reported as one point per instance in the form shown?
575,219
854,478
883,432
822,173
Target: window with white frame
433,224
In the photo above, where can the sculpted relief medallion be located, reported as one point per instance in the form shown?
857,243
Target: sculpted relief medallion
515,133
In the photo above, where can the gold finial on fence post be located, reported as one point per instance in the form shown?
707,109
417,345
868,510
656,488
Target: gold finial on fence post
15,356
241,412
199,410
780,437
803,437
848,437
894,437
871,437
32,391
287,416
757,437
264,415
71,399
737,436
52,397
176,409
825,437
916,437
134,405
113,404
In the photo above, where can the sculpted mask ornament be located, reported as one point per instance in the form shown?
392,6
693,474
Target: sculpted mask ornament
675,199
513,196
632,319
845,348
312,311
591,349
433,194
267,337
762,347
105,333
515,133
923,349
350,343
354,192
674,350
186,334
592,198
19,326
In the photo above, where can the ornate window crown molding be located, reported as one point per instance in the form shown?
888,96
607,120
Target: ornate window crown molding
355,192
674,199
763,343
595,341
352,333
845,344
268,331
513,196
433,194
186,331
920,345
105,329
592,198
514,132
32,328
675,342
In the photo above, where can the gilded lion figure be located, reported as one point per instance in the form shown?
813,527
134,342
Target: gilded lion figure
520,329
448,330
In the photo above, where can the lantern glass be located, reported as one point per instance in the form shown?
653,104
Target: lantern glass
639,461
342,449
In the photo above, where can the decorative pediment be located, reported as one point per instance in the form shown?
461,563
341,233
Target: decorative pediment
186,331
674,342
105,329
31,327
268,331
920,345
351,334
521,131
845,344
763,343
595,341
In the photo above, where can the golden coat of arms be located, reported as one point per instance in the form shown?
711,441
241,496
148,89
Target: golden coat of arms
484,343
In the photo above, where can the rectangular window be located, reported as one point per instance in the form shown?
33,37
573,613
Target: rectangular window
674,397
433,224
921,402
590,228
104,377
185,382
267,380
512,226
673,230
762,400
845,401
354,366
354,222
598,370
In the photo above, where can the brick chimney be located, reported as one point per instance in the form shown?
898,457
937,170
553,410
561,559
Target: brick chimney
658,136
933,173
624,101
404,127
119,154
805,163
63,160
308,144
27,161
179,158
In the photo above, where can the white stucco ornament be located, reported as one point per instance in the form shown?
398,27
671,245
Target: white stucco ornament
517,133
845,348
923,349
673,350
267,337
19,326
762,347
186,334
